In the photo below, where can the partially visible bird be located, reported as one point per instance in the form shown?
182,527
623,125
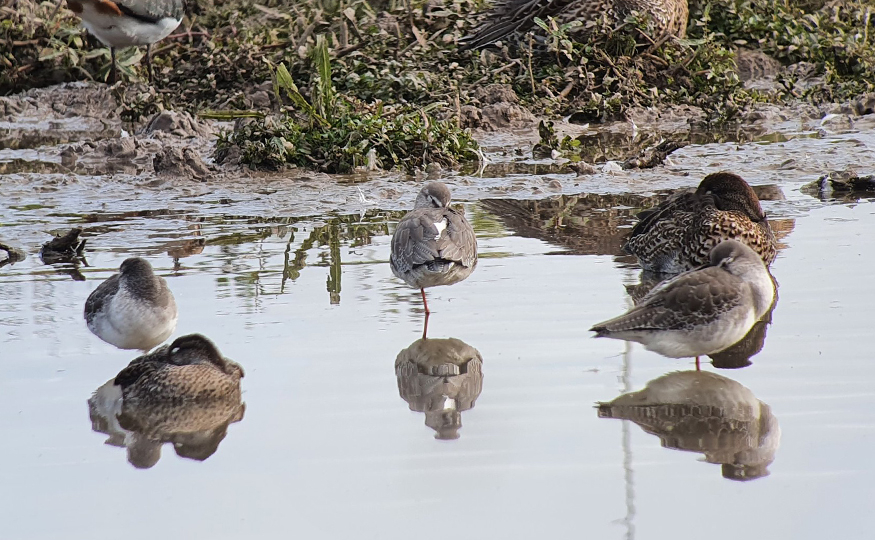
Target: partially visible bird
126,23
433,244
185,393
190,369
133,309
65,248
679,234
13,254
699,411
667,17
702,311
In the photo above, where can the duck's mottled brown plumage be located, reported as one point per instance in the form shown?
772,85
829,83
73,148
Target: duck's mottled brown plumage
188,370
679,234
667,17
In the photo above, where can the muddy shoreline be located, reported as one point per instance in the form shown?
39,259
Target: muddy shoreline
73,134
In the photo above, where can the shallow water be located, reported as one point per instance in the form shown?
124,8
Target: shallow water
290,279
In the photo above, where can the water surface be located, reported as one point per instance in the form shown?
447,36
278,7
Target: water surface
303,298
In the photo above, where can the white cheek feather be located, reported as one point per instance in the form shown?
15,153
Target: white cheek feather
440,226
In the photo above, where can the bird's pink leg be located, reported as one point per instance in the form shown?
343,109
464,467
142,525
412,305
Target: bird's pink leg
698,367
424,302
425,327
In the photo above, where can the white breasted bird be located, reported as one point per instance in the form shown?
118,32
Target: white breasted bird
129,23
702,311
133,309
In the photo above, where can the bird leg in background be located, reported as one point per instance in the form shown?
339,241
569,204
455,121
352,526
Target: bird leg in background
149,62
698,367
112,73
424,301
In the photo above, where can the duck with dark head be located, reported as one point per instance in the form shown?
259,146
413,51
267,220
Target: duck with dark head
679,234
185,393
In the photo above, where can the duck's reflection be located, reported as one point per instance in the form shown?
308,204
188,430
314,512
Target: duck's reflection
185,393
736,356
740,354
699,411
442,378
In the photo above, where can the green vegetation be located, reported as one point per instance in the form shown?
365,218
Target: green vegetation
398,81
837,38
336,134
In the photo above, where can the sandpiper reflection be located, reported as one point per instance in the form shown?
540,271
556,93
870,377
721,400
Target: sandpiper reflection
185,393
699,411
442,378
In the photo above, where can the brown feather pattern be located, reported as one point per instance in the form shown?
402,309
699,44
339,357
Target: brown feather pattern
667,17
679,234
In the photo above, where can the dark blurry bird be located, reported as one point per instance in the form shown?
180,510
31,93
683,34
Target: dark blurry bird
667,17
679,234
127,23
433,244
64,248
133,309
702,311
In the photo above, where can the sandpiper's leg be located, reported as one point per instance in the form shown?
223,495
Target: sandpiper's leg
424,301
149,62
112,72
698,367
425,326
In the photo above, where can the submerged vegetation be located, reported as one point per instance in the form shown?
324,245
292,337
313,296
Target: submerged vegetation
397,81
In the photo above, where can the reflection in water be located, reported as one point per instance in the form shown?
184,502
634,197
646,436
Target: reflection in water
354,229
12,254
594,224
185,393
699,411
179,249
584,224
442,378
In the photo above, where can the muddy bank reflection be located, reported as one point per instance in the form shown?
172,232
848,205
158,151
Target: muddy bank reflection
584,224
185,394
442,378
699,411
597,224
